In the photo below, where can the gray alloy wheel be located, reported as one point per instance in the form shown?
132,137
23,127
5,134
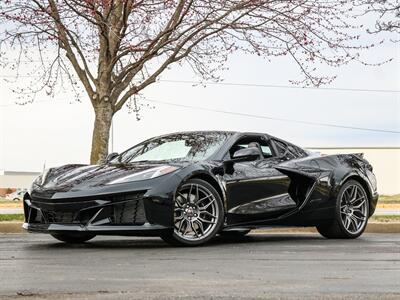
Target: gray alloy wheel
198,214
73,238
352,212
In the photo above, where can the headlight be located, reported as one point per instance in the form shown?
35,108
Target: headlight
147,174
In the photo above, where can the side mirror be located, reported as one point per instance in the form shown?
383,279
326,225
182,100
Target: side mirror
111,156
247,154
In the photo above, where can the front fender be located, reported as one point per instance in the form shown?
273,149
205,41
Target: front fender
205,172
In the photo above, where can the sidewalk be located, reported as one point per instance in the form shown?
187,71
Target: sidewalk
387,212
10,211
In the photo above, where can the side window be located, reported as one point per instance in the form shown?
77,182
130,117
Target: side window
301,152
244,143
292,153
296,151
266,150
289,151
281,148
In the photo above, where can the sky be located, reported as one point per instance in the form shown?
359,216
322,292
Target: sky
57,131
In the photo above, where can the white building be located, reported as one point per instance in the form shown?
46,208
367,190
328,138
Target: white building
16,179
384,160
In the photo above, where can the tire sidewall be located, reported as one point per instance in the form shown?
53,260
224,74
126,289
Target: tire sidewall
338,214
220,219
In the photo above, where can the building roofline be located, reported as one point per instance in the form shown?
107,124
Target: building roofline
19,173
358,147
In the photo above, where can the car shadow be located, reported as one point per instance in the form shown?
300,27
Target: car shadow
104,242
267,238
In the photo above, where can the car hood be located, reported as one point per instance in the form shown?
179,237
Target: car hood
87,176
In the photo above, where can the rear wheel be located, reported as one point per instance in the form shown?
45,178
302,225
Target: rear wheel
198,214
351,214
73,238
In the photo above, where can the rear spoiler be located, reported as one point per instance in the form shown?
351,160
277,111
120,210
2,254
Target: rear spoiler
365,162
359,155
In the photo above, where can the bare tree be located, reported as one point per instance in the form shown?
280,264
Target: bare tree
114,49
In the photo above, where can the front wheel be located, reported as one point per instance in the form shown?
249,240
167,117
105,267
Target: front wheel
351,214
71,238
198,214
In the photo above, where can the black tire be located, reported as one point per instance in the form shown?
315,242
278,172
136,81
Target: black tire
16,199
73,238
175,239
234,234
336,229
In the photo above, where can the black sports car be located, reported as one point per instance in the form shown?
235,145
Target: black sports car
188,187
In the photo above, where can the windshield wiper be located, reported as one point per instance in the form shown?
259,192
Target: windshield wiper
147,160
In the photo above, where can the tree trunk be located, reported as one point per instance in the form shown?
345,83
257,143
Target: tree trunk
101,132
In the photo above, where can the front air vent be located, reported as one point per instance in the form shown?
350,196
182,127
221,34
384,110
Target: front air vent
60,217
129,212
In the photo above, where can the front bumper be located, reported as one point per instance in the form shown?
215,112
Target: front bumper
134,213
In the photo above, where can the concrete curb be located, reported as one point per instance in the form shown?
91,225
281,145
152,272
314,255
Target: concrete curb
373,227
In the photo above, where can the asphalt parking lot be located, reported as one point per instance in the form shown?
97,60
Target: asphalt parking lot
274,266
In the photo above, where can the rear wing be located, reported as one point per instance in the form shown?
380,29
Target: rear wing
359,155
364,163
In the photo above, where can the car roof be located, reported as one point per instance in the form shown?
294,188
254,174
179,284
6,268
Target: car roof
216,131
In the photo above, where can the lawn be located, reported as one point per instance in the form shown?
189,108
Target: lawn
385,219
394,199
12,217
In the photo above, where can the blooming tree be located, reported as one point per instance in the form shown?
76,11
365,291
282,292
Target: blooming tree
113,49
388,12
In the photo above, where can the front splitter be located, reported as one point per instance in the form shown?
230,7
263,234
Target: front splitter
142,230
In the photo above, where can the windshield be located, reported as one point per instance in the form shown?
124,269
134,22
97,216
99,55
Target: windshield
193,146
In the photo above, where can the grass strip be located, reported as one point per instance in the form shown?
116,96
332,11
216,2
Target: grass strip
385,219
11,217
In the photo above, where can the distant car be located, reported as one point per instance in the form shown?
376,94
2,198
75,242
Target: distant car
16,196
188,187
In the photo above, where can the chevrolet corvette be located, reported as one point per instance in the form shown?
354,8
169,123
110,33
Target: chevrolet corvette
189,187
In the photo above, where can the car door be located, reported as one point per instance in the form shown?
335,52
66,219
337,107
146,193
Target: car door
255,189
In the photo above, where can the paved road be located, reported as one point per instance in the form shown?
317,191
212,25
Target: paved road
274,266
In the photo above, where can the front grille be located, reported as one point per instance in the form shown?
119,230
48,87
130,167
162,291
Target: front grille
60,217
125,209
